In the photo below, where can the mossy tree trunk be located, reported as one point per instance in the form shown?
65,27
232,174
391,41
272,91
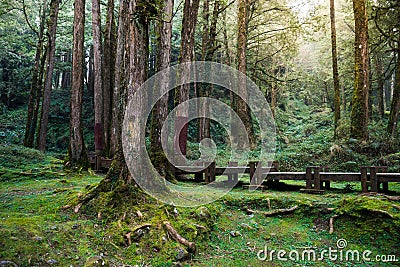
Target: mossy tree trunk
31,120
335,72
77,154
359,112
160,112
50,61
120,75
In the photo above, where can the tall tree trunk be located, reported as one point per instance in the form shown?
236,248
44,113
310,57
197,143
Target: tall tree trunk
39,93
395,106
108,74
54,9
31,121
77,155
208,49
66,74
120,84
380,85
98,89
240,104
189,22
160,112
335,72
204,89
359,112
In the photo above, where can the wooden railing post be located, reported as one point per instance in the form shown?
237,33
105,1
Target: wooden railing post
317,178
252,169
385,185
327,183
258,173
198,177
373,179
309,178
364,178
207,172
212,171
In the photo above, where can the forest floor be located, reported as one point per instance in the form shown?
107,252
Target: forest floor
38,229
38,225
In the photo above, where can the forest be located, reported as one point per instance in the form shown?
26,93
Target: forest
199,133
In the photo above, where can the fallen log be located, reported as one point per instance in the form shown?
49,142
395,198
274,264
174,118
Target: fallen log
174,234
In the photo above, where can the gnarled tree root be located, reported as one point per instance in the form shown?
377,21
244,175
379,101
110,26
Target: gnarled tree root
174,234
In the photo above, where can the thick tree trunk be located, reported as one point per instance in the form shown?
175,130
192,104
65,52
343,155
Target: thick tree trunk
359,112
120,84
108,75
54,9
66,74
98,89
395,106
240,104
77,155
31,121
335,72
208,49
160,112
186,55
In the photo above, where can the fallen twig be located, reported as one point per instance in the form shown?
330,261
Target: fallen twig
174,234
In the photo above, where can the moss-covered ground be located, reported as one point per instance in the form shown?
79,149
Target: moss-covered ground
38,225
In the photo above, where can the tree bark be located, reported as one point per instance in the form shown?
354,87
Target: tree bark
108,75
31,121
160,112
380,85
240,104
98,90
120,83
359,112
54,9
208,50
335,72
395,106
77,155
189,22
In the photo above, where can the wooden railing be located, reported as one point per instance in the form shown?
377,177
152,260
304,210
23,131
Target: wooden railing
316,178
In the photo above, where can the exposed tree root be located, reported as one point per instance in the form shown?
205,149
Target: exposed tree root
274,212
374,194
331,223
174,234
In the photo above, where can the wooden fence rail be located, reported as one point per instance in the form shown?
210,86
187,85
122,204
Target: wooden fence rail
317,178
